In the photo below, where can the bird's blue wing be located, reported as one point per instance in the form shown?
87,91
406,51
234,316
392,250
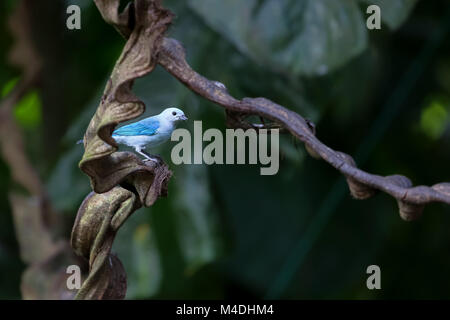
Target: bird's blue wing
146,127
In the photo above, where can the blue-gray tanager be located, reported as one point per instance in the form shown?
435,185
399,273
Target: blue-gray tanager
149,132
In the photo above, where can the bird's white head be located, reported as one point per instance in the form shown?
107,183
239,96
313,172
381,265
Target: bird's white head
173,115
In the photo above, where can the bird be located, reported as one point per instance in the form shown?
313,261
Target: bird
149,132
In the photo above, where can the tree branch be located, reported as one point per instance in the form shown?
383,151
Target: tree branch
362,185
121,181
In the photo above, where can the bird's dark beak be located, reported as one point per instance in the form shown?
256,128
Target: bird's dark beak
183,117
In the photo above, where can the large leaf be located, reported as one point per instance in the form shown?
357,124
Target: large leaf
196,216
297,36
136,245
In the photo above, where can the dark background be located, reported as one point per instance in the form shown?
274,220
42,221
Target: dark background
225,231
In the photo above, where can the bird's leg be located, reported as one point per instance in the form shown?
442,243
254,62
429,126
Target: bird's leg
146,155
139,150
155,158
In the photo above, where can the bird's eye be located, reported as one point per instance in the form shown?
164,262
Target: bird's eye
174,113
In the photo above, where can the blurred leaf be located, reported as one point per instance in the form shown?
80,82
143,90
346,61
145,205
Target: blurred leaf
28,111
67,186
196,216
311,37
146,262
136,246
9,86
299,37
434,120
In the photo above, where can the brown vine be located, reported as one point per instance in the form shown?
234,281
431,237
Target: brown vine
122,182
362,185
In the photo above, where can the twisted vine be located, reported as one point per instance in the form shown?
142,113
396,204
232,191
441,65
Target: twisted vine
362,185
122,183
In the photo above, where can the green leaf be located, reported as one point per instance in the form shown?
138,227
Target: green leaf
434,120
136,246
309,37
299,37
67,185
28,112
9,86
196,216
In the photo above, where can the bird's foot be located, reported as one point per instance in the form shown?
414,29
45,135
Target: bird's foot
154,158
158,161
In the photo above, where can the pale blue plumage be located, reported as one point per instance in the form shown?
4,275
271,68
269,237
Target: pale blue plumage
146,127
149,132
